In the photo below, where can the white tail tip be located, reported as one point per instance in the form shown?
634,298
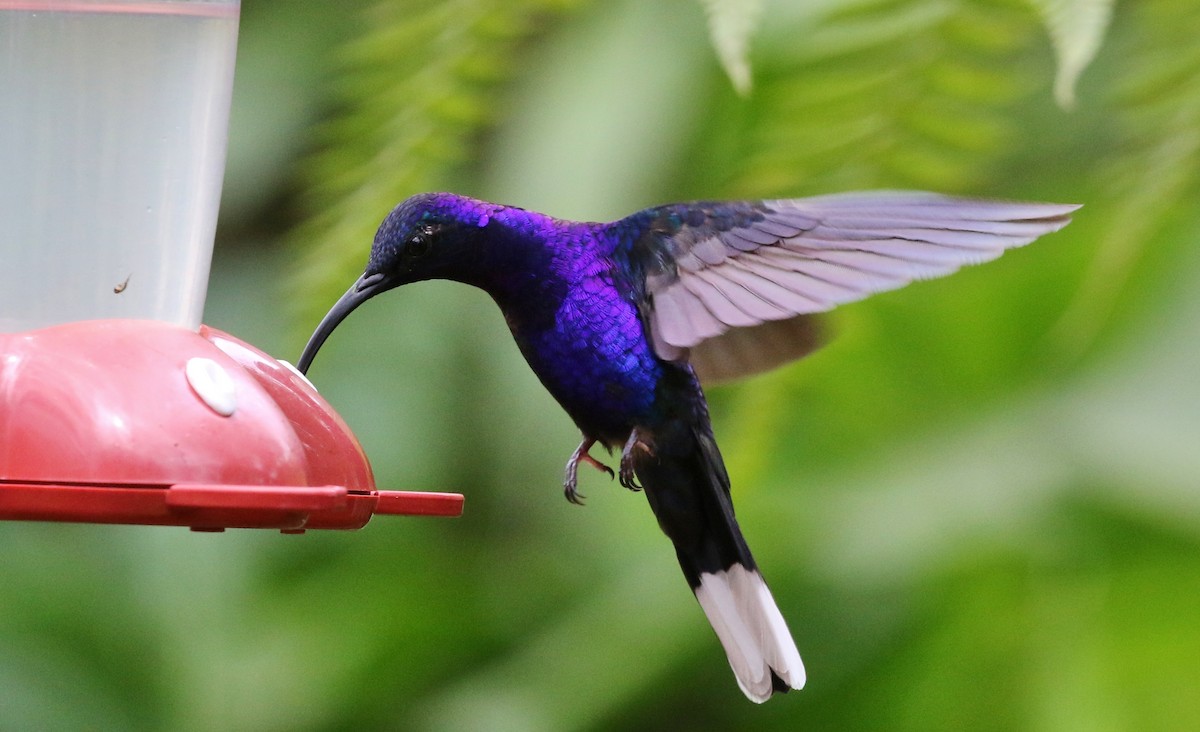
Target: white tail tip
742,612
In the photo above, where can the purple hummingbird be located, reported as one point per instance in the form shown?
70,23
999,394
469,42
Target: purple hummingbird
624,321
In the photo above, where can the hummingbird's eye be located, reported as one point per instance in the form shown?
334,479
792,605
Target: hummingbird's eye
419,243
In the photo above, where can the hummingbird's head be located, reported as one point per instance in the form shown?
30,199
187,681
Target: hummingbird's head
428,236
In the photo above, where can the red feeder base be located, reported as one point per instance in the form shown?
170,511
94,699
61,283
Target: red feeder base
142,422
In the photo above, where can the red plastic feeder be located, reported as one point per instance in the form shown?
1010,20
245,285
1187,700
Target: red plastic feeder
143,422
116,404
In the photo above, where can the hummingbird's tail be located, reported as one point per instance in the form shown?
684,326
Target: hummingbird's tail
688,489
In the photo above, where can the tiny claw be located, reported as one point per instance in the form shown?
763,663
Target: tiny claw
628,471
573,495
629,478
571,478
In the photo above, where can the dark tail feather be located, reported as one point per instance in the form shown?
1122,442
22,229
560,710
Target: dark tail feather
688,489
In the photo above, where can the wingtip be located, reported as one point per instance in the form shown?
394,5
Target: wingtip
1055,217
1057,211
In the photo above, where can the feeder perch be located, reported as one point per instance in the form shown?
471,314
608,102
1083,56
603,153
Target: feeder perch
116,405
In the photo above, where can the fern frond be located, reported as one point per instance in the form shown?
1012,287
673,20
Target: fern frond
417,88
903,94
1152,166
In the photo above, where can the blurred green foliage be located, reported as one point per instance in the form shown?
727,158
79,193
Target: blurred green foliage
979,506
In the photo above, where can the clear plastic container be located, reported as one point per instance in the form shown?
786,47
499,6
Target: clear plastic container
112,151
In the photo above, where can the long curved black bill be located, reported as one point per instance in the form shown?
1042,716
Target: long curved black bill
364,289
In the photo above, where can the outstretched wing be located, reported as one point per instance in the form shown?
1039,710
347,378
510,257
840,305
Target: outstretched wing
733,286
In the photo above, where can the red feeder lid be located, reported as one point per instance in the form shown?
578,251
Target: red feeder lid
139,421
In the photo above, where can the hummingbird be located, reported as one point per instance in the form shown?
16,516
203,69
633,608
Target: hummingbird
624,323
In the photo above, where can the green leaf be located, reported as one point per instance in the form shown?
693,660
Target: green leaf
731,24
1077,30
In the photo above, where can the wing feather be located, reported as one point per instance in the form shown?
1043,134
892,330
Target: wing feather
718,273
769,284
717,298
730,283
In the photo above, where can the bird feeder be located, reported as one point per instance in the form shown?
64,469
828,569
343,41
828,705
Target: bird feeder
116,404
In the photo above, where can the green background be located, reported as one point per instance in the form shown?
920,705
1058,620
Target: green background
978,507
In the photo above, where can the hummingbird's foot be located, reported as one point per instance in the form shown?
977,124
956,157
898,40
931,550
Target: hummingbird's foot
636,442
571,479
